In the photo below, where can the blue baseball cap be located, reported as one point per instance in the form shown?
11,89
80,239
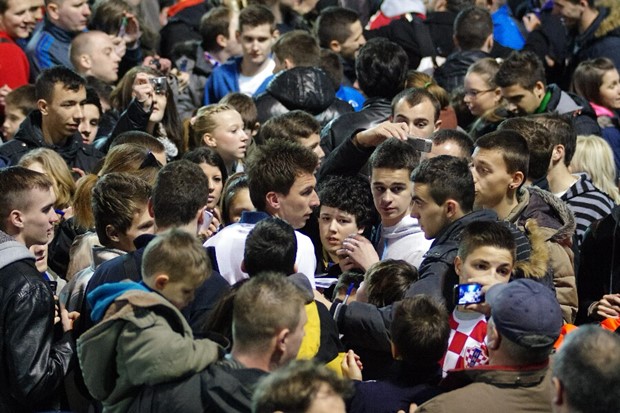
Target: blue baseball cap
526,312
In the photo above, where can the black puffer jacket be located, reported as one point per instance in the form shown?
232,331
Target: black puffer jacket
305,88
374,111
450,75
29,136
32,364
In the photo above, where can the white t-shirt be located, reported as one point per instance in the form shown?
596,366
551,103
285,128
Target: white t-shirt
249,84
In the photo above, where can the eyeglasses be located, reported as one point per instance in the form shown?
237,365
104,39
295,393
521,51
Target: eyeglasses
150,161
474,93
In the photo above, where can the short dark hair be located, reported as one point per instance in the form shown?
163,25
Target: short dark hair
275,166
293,387
246,107
512,146
235,183
521,68
395,154
350,194
381,68
472,27
333,24
208,155
270,246
538,143
92,98
299,46
331,64
291,126
479,234
387,281
588,366
561,132
455,6
588,78
420,330
116,198
23,98
212,24
15,183
415,96
447,177
46,80
180,190
460,138
256,15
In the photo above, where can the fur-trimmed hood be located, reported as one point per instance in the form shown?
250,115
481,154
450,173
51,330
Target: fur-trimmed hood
536,265
611,21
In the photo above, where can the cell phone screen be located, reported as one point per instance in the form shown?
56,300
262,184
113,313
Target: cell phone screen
470,293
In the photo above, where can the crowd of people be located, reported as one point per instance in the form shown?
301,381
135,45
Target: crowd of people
309,206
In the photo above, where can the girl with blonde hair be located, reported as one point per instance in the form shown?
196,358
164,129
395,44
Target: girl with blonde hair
593,155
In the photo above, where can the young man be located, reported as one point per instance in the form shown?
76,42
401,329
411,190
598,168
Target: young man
587,202
218,43
35,351
381,67
451,142
282,184
521,78
49,45
500,165
420,332
298,82
246,73
124,351
525,323
473,36
400,235
119,203
341,31
414,114
61,94
94,54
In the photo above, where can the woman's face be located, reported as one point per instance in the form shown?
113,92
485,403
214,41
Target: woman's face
240,202
216,183
479,96
228,137
610,90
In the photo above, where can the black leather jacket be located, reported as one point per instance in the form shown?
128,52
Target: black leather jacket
33,364
303,88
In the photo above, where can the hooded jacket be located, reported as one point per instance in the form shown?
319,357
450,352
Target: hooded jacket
557,226
403,241
142,339
29,136
304,88
582,114
32,364
602,38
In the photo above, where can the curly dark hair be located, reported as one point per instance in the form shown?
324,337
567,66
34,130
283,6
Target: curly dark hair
350,194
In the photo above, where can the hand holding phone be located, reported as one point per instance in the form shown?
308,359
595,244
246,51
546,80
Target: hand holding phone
470,293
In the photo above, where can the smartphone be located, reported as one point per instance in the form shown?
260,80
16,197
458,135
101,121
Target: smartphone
420,144
207,218
470,293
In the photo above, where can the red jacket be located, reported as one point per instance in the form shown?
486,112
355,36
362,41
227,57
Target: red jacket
14,67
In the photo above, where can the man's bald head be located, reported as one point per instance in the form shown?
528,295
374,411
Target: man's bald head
93,54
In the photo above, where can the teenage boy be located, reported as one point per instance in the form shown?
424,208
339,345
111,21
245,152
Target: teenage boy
60,94
587,202
521,78
257,32
420,332
141,337
499,167
18,104
119,202
282,184
35,354
400,236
